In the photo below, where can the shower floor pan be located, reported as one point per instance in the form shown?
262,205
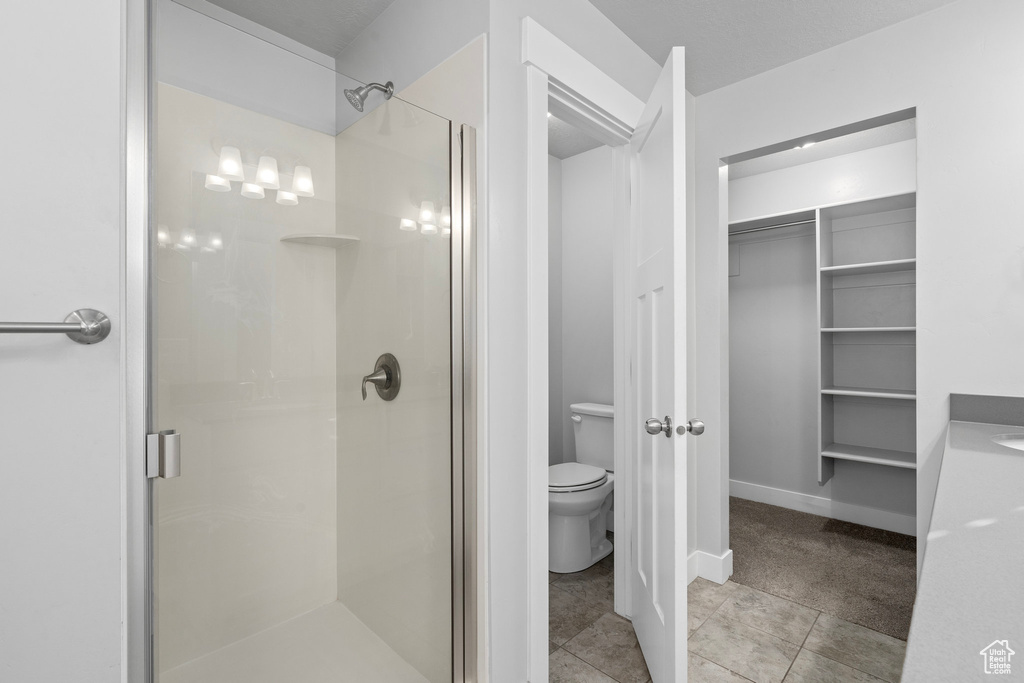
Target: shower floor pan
327,645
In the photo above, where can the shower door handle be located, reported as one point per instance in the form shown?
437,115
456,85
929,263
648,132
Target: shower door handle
163,454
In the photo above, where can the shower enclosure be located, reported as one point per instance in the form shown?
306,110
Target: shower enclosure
306,368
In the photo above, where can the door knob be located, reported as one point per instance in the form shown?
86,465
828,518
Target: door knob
656,426
695,427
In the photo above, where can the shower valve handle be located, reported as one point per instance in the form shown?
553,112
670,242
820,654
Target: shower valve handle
380,378
386,377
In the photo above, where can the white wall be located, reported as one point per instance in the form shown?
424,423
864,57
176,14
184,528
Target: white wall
585,324
60,412
555,402
970,313
454,89
877,172
773,362
406,41
196,52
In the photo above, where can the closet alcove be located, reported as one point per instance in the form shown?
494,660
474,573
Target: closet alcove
822,300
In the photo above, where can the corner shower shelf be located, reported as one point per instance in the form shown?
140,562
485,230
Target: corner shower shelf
900,394
322,240
894,266
877,456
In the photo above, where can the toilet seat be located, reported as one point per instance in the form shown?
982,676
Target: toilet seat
567,477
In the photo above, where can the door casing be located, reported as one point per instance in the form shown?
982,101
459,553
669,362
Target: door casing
560,80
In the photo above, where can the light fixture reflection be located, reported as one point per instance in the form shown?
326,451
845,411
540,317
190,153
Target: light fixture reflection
188,239
287,198
163,235
217,184
252,191
230,165
428,228
215,241
266,174
302,181
407,225
427,211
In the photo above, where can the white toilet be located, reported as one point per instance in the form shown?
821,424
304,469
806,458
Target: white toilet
580,493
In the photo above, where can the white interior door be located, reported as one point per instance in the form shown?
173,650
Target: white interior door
658,319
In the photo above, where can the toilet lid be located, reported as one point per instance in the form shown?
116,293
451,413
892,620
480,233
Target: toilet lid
575,476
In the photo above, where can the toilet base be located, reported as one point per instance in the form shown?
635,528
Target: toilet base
577,541
603,550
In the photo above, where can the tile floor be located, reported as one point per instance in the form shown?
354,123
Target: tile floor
589,642
736,634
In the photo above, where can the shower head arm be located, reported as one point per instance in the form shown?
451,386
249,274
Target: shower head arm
387,88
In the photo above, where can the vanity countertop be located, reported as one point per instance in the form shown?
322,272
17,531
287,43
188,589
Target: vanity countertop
971,590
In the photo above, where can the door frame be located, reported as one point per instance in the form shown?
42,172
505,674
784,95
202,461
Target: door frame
136,549
137,97
562,81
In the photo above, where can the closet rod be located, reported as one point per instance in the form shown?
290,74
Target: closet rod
771,227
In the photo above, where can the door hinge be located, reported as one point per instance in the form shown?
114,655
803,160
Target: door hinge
163,454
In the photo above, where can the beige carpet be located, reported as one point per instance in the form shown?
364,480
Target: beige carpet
853,572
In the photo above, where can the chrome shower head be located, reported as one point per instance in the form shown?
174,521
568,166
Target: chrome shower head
357,96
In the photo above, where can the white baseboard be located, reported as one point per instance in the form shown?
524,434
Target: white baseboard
717,568
825,507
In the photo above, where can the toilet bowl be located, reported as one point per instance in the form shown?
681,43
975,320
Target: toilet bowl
579,493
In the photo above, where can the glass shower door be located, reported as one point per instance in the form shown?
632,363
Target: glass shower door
309,535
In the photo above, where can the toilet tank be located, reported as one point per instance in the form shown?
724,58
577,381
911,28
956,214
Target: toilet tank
592,428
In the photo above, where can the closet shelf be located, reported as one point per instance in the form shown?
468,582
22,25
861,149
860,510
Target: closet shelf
869,329
894,266
877,456
900,394
322,239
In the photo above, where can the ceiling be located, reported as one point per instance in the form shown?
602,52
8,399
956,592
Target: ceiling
327,26
726,40
729,40
566,140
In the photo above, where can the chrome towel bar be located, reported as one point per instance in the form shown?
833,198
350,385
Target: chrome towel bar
85,326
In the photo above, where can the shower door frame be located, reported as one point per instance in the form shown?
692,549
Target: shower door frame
137,98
